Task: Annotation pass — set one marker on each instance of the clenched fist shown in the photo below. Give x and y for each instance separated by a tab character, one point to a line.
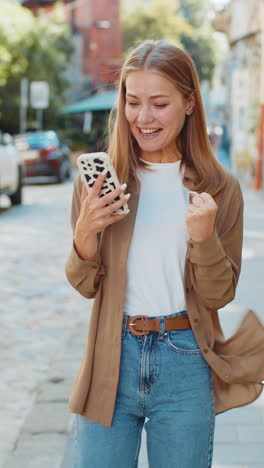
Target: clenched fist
200	216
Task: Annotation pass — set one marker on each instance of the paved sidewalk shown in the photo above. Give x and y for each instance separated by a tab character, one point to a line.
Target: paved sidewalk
44	435
239	436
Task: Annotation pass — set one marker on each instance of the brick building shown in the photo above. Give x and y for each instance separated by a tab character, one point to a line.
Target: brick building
97	37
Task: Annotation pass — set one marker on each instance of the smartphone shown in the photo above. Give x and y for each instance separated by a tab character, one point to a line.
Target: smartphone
90	166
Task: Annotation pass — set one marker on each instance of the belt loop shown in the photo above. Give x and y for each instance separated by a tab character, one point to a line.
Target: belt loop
162	328
125	318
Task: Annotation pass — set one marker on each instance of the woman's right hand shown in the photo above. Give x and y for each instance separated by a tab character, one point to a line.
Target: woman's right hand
95	216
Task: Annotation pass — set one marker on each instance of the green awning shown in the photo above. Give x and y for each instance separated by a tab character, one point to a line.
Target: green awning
97	102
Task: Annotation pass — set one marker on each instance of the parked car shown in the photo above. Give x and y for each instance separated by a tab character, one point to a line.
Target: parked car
11	169
44	155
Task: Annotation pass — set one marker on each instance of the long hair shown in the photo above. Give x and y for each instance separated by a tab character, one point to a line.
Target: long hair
193	141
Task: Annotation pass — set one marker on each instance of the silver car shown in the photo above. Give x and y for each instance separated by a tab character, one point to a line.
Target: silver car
11	169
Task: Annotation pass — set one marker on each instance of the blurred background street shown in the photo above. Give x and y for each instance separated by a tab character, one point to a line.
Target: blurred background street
58	70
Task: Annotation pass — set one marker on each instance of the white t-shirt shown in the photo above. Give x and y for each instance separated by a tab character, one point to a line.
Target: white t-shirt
156	257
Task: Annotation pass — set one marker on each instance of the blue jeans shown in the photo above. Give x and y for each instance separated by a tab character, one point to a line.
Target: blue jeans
165	385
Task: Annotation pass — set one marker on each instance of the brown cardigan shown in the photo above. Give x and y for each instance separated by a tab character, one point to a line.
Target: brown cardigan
211	274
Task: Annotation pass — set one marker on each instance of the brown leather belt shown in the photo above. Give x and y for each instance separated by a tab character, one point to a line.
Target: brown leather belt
142	324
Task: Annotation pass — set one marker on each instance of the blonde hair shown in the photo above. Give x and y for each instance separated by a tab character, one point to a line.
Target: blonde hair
193	142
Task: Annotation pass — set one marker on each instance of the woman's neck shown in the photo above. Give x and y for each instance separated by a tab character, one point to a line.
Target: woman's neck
161	156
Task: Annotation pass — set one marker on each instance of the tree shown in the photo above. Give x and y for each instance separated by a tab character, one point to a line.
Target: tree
201	44
157	21
194	12
183	23
202	49
37	48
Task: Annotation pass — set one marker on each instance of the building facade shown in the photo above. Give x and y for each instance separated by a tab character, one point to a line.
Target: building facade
97	37
241	22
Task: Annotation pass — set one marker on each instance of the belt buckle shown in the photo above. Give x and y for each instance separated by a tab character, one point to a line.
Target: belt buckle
131	325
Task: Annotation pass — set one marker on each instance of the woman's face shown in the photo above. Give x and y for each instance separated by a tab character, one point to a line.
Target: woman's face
155	110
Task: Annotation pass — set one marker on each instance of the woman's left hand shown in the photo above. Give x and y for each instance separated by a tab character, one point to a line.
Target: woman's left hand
200	216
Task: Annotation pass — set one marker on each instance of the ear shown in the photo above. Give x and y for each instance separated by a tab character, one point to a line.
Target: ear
190	104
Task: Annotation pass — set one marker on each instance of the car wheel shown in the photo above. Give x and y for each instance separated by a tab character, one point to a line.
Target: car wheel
16	198
62	172
69	172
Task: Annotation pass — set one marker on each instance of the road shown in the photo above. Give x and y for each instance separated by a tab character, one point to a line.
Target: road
40	312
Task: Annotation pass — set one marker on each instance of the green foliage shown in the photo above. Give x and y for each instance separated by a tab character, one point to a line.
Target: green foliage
194	11
75	136
37	48
202	49
200	44
155	22
70	128
183	23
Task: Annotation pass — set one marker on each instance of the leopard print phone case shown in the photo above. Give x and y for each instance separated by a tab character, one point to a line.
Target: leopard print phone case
91	165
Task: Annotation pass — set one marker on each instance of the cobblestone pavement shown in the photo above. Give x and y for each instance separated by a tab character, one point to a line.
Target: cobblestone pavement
44	325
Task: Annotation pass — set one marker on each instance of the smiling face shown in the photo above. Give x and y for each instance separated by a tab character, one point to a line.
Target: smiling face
155	111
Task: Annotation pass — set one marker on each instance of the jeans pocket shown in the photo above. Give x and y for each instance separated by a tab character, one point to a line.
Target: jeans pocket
182	342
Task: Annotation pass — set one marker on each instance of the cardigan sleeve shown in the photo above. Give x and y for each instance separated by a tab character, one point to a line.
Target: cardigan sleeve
83	275
216	262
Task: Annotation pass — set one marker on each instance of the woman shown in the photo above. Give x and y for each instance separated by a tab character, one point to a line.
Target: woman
170	262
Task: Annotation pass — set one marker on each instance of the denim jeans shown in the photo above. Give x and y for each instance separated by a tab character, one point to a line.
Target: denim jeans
165	385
